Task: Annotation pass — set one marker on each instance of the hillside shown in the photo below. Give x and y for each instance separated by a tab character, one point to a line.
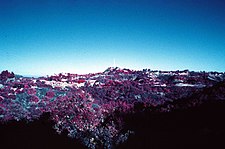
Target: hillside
115	107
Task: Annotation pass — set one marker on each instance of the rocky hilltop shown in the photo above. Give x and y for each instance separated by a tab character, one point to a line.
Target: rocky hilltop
97	108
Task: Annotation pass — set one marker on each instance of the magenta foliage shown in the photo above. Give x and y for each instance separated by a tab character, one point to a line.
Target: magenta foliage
90	106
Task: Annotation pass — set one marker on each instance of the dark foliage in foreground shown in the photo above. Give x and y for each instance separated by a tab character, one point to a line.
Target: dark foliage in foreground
34	135
199	127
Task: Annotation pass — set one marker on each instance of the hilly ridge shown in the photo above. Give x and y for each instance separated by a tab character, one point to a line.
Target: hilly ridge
110	108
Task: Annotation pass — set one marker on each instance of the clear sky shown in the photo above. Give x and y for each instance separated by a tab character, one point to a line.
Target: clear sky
50	36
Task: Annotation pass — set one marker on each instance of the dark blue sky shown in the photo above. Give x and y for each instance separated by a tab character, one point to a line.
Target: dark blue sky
46	37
